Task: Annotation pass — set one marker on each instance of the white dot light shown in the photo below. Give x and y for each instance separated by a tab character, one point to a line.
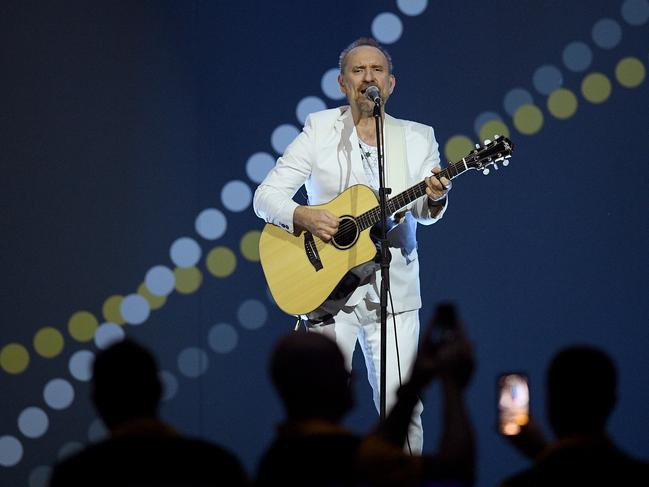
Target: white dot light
282	136
185	252
169	385
514	99
107	334
252	314
236	196
11	451
387	28
58	394
192	362
33	422
308	105
222	338
412	7
607	33
135	309
160	280
259	165
329	84
211	224
635	12
81	365
577	56
547	79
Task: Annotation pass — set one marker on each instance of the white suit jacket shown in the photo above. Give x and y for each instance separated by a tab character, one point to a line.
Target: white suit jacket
325	157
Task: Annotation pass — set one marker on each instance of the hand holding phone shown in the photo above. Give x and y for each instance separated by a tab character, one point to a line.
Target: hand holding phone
444	350
513	403
444	325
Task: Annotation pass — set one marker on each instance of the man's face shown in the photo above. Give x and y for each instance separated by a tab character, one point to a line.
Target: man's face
365	66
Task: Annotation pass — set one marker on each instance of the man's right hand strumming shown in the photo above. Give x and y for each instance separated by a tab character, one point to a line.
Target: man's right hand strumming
321	223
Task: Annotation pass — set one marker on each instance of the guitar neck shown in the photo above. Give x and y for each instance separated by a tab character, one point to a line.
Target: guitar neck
373	216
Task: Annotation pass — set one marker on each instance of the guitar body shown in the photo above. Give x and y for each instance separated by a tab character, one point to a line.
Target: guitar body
300	284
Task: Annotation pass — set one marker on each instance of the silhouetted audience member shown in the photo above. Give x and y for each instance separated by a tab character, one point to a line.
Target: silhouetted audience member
141	450
581	394
312	448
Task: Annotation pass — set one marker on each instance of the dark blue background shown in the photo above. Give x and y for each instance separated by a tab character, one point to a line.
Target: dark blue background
121	121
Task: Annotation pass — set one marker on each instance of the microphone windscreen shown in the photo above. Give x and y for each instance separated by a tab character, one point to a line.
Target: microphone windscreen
372	92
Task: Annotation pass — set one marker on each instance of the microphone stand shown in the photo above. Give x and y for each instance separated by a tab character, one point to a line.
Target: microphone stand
385	252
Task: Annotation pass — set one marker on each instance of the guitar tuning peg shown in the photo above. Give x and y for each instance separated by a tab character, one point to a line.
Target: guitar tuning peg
495	166
487	142
496	136
477	146
485	171
505	162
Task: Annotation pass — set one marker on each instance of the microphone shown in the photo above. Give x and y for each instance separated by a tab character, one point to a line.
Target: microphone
372	92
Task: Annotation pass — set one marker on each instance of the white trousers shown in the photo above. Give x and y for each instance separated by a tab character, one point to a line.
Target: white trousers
363	323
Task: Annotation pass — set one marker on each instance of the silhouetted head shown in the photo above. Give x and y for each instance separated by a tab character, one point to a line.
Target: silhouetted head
581	391
125	383
308	371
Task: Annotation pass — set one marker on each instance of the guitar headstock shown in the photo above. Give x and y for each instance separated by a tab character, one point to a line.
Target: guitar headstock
489	154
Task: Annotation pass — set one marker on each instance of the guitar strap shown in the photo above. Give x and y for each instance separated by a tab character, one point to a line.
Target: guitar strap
396	157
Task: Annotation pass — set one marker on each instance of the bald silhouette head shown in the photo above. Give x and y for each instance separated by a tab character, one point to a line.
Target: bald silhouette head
581	391
309	373
125	383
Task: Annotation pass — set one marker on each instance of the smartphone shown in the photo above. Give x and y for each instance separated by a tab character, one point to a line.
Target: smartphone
444	323
513	403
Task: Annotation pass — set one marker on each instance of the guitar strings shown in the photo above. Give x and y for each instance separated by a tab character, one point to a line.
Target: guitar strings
358	224
355	225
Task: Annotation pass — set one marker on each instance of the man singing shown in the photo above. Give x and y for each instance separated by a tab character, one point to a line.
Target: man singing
337	149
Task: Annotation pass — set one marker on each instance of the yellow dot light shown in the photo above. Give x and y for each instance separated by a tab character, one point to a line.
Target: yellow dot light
528	119
630	72
562	103
82	326
491	128
48	342
596	88
250	245
14	358
457	147
188	279
111	311
221	261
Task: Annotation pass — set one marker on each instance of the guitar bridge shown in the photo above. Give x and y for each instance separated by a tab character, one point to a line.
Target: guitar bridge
312	251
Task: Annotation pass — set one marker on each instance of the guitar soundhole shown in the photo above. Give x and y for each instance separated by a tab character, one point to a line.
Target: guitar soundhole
347	233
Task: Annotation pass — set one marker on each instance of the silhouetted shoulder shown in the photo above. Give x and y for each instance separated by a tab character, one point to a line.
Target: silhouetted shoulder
320	460
168	461
595	465
340	460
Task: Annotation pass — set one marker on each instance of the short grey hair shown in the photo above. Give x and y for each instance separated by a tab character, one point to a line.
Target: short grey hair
364	41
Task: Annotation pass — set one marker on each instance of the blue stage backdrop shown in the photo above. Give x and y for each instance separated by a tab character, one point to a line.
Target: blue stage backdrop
135	133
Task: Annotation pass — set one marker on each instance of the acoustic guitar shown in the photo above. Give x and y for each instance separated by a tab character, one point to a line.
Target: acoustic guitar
302	270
